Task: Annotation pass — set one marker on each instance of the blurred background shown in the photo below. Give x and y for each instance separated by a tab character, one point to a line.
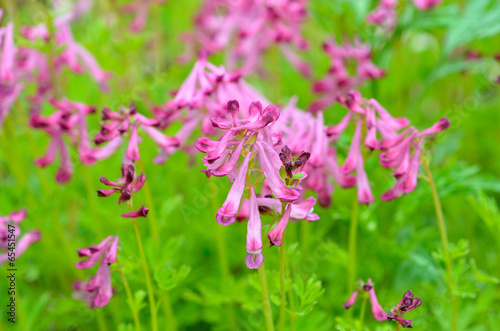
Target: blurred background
430	73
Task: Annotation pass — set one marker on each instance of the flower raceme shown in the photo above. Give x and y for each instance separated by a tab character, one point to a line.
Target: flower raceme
69	119
338	79
126	185
407	304
9	235
399	143
98	291
377	310
128	120
247	29
278	174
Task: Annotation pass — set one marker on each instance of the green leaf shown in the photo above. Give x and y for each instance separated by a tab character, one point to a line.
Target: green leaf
139	299
167	278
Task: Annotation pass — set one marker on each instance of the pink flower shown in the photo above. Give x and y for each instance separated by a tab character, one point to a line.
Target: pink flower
377	310
126	185
226	214
351	301
10	234
254	258
426	4
276	234
141	212
98	291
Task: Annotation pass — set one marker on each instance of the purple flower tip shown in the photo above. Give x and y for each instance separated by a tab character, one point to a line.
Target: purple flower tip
254	261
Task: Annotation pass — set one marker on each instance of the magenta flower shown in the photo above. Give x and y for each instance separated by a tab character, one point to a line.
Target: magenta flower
254	258
426	4
338	80
276	234
407	304
8	233
98	291
377	310
249	29
226	214
126	185
128	120
141	212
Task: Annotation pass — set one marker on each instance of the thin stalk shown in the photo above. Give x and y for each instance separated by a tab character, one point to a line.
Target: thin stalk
353	233
282	286
362	313
265	299
153	225
222	256
130	298
293	327
145	268
444	242
169	313
101	323
397	327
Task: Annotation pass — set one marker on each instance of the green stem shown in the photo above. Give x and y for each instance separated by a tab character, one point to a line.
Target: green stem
222	256
169	313
101	323
130	298
353	233
397	327
282	286
362	313
290	296
145	268
444	241
265	299
153	225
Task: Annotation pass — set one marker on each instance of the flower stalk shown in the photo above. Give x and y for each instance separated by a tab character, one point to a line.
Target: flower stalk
444	242
145	268
265	299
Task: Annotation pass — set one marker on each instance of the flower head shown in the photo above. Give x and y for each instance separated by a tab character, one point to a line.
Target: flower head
377	310
126	185
98	291
407	304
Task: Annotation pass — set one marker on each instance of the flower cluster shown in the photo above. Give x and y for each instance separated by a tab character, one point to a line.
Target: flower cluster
9	233
253	139
338	79
128	120
98	291
384	15
126	185
377	310
69	119
407	304
248	28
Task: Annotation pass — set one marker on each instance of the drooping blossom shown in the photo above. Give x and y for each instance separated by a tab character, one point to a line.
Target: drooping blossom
377	310
76	57
246	29
98	291
127	121
141	10
399	144
254	257
384	15
10	234
125	186
253	139
407	304
338	79
68	120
